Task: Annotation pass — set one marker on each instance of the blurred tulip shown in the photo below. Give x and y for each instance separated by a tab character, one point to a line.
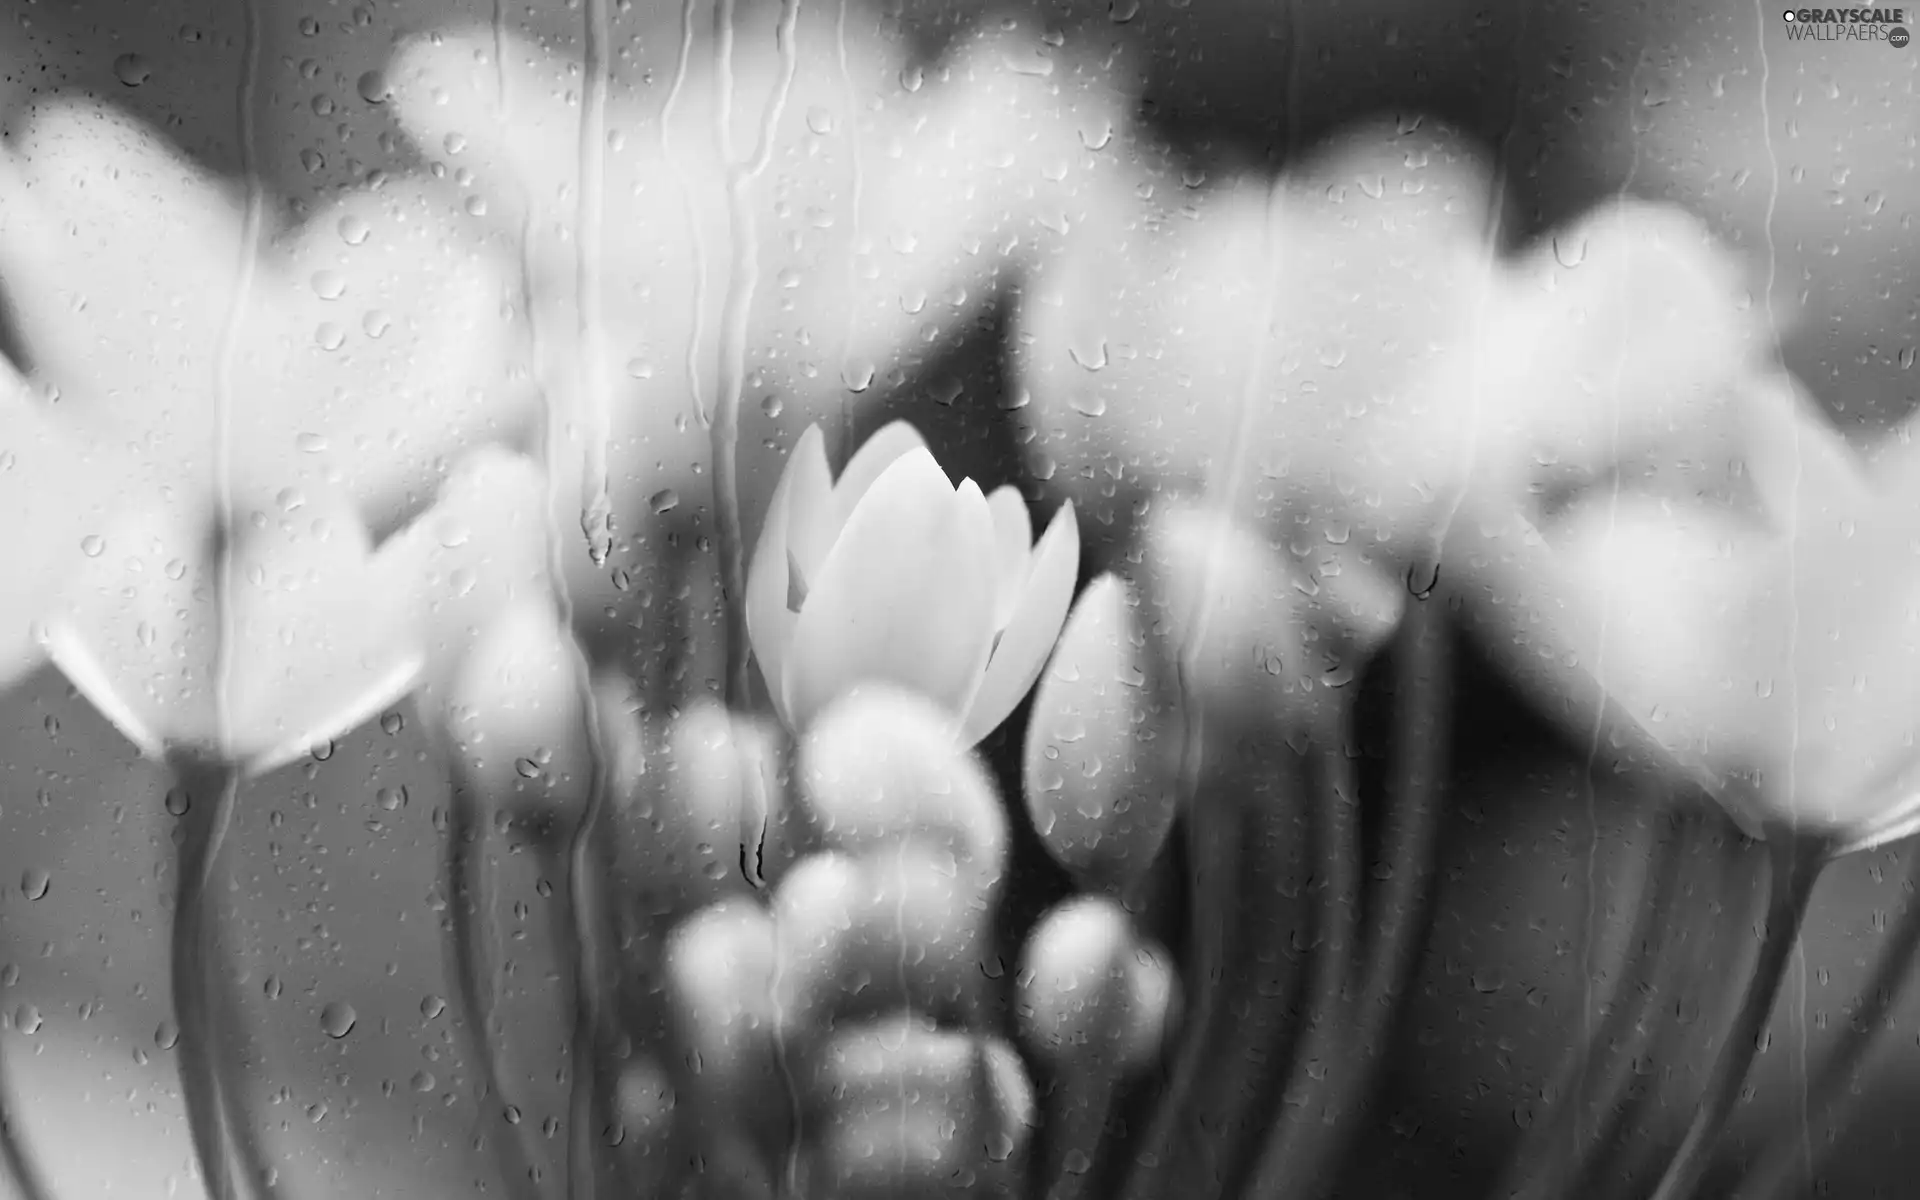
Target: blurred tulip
721	970
814	212
345	362
1100	772
1096	1006
861	936
1759	645
701	817
878	770
891	574
907	1109
217	372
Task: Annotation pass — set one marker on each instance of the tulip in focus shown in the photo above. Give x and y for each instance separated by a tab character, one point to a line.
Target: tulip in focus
894	575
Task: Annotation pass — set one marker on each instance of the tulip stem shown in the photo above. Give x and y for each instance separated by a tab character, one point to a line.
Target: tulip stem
207	1018
1795	862
1831	1093
1402	913
1211	828
1538	1173
1083	1098
466	841
16	1164
585	881
1293	1163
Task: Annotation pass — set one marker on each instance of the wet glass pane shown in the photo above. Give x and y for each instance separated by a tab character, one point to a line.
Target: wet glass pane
1098	601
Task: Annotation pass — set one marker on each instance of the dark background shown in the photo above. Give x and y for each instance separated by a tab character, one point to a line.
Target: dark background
337	892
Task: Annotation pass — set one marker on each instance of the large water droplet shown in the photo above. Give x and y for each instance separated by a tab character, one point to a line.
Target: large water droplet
1569	250
338	1019
374	88
167	1035
131	70
35	882
664	501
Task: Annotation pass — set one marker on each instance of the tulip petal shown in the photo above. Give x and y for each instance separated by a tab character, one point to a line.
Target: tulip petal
136	630
905	596
813	515
1013	557
888	445
1099	771
1029	638
318	642
770	625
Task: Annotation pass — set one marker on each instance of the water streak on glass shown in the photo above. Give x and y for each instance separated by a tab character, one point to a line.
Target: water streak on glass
697	302
468	832
738	307
197	978
596	514
859	182
1590	936
582	879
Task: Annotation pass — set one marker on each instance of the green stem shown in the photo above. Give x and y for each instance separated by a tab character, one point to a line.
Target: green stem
1401	913
1796	861
208	1019
1539	1172
1831	1093
466	840
1293	1162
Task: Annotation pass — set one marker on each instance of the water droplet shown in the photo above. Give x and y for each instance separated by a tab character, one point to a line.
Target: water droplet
373	87
423	1081
329	336
131	70
338	1019
1092	357
392	723
375	322
391	799
1087	403
92	545
354	229
166	1035
1906	358
527	768
773	406
1422	580
431	1006
34	882
322	106
1122	11
1569	251
639	368
272	988
820	120
664	501
857	375
27	1019
312	161
179	801
329	284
